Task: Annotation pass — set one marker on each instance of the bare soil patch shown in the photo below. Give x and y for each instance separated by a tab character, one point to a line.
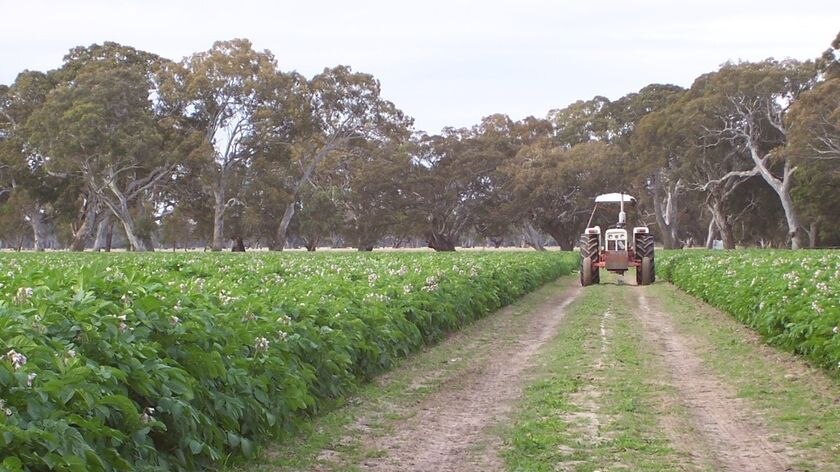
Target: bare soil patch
451	429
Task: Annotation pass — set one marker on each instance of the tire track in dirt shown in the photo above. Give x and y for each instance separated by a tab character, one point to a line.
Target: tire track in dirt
723	429
450	430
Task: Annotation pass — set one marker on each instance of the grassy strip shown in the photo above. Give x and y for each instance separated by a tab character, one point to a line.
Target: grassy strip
584	379
798	401
334	440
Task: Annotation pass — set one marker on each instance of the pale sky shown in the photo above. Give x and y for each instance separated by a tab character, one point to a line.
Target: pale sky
444	62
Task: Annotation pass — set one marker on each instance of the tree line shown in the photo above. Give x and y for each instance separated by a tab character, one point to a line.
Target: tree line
121	147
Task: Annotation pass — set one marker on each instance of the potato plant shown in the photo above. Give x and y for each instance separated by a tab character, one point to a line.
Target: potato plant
792	298
175	361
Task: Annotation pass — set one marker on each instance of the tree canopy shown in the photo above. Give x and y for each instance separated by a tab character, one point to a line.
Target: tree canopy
225	149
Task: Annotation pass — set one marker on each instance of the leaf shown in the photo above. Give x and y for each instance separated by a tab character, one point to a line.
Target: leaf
12	464
195	446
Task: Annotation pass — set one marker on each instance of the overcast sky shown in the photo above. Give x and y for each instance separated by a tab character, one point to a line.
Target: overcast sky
450	62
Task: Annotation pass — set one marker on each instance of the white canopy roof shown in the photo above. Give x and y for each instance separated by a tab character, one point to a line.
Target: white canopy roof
614	198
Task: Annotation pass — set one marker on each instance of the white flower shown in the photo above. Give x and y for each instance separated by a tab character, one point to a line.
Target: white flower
30	378
284	320
5	410
17	359
282	335
836	330
147	417
406	289
225	298
71	353
174	320
816	307
23	294
261	344
372	278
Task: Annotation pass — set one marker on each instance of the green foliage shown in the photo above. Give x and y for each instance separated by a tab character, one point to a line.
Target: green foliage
790	298
174	361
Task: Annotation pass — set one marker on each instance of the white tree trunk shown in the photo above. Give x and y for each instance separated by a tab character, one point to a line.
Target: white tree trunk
665	210
710	234
81	236
102	231
722	224
218	219
533	237
782	189
39	228
283	227
121	211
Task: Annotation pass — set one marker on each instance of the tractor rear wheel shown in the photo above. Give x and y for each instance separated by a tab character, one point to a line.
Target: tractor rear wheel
646	271
644	248
589	255
585	273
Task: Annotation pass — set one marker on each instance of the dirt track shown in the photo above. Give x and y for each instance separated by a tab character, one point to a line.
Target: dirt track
722	431
454	425
449	430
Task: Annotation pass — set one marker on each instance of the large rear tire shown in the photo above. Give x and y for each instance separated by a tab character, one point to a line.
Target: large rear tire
644	248
646	270
585	273
589	255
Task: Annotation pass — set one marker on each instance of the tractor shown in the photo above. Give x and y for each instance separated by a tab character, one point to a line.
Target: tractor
611	250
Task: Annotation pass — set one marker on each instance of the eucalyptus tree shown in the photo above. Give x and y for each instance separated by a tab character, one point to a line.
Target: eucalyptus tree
367	185
331	114
26	189
558	184
650	168
216	94
581	121
442	185
813	124
100	124
497	139
750	101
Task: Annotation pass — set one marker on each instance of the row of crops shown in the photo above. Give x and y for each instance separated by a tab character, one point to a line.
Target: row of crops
174	362
792	298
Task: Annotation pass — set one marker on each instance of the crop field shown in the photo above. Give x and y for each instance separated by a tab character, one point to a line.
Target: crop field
166	362
271	362
791	298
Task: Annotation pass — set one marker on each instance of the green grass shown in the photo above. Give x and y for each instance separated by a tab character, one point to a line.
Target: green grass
799	402
553	429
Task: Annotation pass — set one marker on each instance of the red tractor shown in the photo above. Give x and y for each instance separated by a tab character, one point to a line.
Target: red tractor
612	252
